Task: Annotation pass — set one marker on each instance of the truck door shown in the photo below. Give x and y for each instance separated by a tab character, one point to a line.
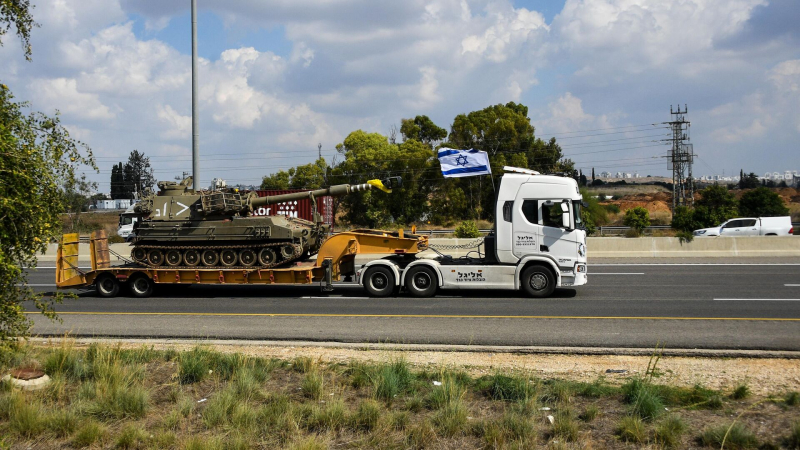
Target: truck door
732	228
555	240
749	228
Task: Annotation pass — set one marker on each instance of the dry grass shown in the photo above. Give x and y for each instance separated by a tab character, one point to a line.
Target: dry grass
109	397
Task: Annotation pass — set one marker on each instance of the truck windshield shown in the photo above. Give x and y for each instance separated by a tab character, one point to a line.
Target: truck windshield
576	211
125	220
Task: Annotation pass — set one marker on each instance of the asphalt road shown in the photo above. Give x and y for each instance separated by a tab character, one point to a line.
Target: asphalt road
713	305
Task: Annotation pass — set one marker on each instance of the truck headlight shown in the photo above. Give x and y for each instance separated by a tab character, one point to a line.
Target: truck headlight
699	232
582	249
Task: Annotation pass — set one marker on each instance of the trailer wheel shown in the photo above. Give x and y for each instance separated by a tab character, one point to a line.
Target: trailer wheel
379	281
141	286
107	286
421	281
538	281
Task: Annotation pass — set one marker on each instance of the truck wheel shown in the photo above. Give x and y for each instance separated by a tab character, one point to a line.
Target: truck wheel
379	281
141	286
107	286
538	281
421	281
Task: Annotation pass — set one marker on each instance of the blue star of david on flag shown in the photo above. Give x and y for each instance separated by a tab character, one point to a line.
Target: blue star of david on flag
463	163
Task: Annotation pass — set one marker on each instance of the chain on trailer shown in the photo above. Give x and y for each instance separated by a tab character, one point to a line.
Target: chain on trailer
472	244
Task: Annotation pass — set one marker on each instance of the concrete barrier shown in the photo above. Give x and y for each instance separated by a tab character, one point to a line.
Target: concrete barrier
662	247
598	247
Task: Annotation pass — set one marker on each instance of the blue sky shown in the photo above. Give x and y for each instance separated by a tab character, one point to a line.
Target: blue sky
279	77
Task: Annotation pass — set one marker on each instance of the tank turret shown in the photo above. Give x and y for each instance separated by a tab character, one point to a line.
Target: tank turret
186	228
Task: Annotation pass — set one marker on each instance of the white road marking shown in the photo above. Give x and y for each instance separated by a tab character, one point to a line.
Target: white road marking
758	299
340	298
792	285
36	285
619	273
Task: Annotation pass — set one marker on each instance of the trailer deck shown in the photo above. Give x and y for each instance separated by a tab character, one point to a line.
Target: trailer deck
335	259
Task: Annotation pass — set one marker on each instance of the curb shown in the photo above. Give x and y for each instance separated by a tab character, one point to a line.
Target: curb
526	350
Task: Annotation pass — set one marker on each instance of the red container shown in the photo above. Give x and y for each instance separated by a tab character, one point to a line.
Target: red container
295	208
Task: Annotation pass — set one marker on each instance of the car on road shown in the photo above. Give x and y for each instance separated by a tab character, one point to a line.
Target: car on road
750	226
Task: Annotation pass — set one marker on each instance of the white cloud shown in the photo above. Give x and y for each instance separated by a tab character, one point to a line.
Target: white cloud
177	126
63	94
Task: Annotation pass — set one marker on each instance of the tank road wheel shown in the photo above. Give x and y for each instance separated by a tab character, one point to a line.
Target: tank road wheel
538	281
247	257
267	256
155	257
209	257
141	286
379	281
287	252
228	257
139	255
191	257
173	257
421	281
107	285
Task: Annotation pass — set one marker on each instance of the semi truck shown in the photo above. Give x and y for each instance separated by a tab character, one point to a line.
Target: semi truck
538	244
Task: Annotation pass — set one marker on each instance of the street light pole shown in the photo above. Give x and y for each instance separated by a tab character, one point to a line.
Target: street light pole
195	128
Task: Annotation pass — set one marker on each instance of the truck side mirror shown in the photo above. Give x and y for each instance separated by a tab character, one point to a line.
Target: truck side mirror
565	215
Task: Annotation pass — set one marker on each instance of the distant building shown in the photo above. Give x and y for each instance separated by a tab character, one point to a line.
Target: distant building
120	203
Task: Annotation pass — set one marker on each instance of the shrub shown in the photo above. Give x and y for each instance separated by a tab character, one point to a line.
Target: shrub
590	413
612	208
467	229
792	399
508	388
668	432
564	426
312	385
62	423
391	380
25	418
644	399
741	391
793	439
637	218
631	429
367	415
193	366
734	436
451	419
88	434
762	202
447	394
131	437
420	436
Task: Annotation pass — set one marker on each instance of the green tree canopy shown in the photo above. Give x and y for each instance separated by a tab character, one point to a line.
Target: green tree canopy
137	175
371	156
18	14
637	218
762	202
422	129
307	176
38	163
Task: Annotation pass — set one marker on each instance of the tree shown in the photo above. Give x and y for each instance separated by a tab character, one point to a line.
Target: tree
308	176
38	160
77	198
593	178
762	202
17	13
137	174
117	182
422	129
637	218
749	181
370	156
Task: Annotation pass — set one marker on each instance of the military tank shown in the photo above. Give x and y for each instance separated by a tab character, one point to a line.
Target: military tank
184	228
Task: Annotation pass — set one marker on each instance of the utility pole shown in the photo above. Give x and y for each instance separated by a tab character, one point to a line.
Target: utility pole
319	151
680	158
195	127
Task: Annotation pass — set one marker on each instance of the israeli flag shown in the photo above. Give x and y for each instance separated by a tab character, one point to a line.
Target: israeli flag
464	163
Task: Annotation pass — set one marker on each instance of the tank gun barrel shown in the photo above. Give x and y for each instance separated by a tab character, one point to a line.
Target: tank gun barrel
385	185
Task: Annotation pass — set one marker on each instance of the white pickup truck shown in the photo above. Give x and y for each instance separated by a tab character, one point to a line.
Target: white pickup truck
748	226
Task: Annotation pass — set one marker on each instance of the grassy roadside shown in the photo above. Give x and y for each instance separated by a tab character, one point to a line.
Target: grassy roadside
106	396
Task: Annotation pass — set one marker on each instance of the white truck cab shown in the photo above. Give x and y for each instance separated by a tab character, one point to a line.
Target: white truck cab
538	244
126	221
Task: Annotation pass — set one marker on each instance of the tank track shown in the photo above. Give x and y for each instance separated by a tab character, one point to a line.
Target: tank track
298	252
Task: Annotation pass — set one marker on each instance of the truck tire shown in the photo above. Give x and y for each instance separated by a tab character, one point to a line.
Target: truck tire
141	286
421	281
379	281
107	285
538	281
